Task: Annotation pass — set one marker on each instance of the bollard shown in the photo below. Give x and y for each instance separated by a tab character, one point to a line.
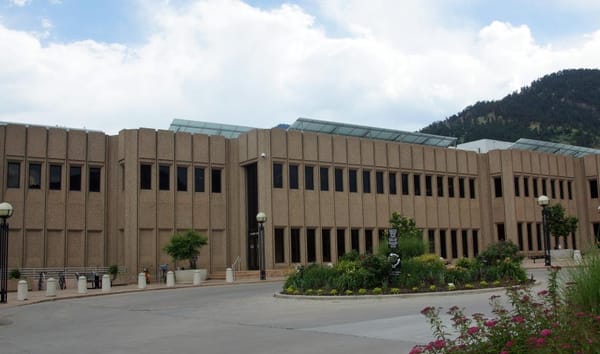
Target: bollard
82	285
170	279
577	256
51	287
22	290
229	275
142	280
105	283
197	279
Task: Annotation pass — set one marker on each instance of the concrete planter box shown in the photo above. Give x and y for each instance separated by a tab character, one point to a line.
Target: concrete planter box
187	276
561	254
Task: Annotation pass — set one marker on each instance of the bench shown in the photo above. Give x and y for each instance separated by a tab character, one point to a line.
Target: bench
533	255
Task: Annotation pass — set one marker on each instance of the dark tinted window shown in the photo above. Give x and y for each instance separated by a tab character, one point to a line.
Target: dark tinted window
309	178
404	178
352	183
13	177
369	241
55	177
526	186
451	187
75	178
324	178
440	186
145	176
428	186
199	179
498	187
277	175
535	187
279	246
216	180
593	189
392	178
472	188
182	178
94	185
354	238
35	176
461	187
339	180
366	181
326	244
164	177
293	170
379	182
417	184
311	248
295	244
341	242
517	189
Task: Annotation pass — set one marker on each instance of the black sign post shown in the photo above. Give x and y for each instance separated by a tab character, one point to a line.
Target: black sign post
393	257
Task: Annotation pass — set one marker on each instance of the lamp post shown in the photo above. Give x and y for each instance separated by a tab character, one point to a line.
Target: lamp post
261	218
543	202
597	239
6	210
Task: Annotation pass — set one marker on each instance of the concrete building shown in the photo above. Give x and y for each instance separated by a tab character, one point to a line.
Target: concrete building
85	199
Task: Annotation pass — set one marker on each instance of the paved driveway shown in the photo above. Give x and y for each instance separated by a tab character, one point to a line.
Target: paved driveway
223	319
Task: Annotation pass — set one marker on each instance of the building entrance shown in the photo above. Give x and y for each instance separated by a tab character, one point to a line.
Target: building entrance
252	210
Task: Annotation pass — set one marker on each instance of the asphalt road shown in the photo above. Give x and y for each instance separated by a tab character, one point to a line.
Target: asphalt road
224	319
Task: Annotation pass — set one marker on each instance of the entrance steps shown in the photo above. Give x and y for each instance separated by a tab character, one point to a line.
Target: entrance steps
249	274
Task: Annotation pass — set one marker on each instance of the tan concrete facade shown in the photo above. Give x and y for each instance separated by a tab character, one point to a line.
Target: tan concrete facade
138	188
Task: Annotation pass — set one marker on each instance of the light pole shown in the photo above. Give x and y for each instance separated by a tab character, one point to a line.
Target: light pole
543	202
261	218
6	210
597	239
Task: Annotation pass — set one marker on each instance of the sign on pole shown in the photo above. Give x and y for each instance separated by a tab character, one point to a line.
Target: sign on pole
392	238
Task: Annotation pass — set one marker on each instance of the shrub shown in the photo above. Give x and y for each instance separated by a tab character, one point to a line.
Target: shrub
469	286
483	284
320	292
290	290
583	284
349	275
425	269
313	276
348	292
362	291
395	291
333	292
186	246
377	291
498	252
14	274
451	286
377	270
309	292
432	287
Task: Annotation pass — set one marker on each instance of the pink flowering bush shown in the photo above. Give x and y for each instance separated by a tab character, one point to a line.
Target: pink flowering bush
533	323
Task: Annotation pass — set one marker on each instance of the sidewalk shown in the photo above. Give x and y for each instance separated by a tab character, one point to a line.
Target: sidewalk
34	296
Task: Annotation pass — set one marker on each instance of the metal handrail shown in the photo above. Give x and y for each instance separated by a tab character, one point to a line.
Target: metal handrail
237	262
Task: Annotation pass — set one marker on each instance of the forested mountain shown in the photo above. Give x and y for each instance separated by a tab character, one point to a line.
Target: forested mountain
563	107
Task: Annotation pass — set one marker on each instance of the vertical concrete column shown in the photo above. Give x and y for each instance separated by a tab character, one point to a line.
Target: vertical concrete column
142	280
105	283
229	275
51	287
82	285
197	278
22	290
170	279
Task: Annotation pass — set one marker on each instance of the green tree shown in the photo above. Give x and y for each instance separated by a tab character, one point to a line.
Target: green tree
559	224
186	245
410	238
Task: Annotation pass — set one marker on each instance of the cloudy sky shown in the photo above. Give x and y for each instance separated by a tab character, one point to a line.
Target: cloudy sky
113	64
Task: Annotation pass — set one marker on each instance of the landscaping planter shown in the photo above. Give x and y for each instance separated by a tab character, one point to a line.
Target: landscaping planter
187	276
561	254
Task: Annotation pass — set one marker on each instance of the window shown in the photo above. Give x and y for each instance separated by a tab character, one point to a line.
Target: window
461	187
454	243
520	235
199	179
311	248
404	178
341	242
13	177
526	186
215	180
324	178
428	186
326	244
501	233
309	178
75	178
339	180
443	252
145	176
440	186
279	246
379	182
450	187
431	240
529	237
498	186
369	241
544	188
354	239
472	188
163	177
417	184
538	236
94	179
182	178
535	188
465	244
55	177
517	193
593	189
277	175
293	170
35	175
561	189
295	243
392	180
569	190
475	243
352	183
366	181
553	188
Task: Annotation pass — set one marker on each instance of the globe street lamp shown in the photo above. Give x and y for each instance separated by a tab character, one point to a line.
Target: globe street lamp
543	202
6	210
261	218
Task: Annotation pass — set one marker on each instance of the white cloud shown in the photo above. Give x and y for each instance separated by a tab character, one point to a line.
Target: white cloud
20	3
400	66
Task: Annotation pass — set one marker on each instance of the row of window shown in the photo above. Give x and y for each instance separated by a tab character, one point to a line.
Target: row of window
55	176
295	243
525	231
326	238
523	187
164	178
405	181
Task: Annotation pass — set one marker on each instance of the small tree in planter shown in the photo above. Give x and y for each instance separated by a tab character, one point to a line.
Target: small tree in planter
186	245
559	224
